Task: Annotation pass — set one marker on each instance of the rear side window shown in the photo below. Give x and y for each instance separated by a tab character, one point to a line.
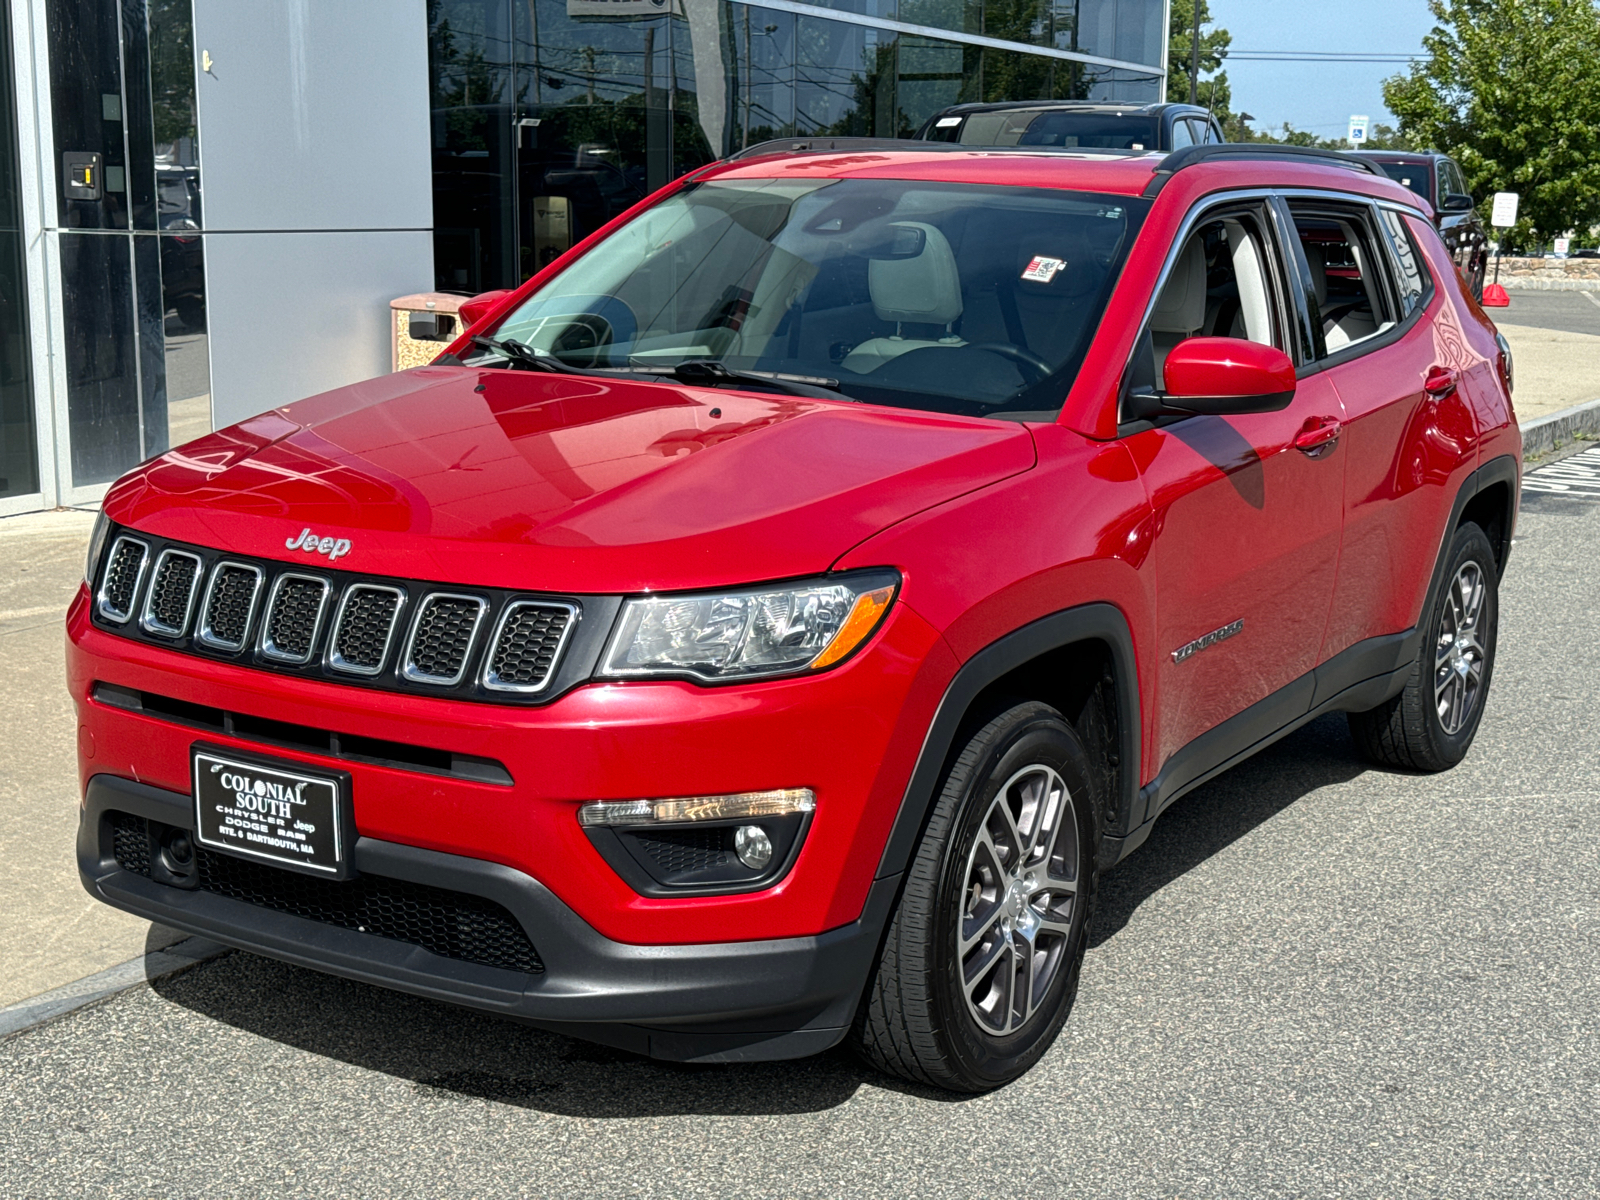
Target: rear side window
1210	136
1351	279
1413	282
1181	135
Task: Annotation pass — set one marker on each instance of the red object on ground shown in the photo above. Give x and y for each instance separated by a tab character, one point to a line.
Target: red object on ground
1494	296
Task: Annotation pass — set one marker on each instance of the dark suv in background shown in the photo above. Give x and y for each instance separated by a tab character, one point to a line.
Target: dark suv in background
1064	124
1438	180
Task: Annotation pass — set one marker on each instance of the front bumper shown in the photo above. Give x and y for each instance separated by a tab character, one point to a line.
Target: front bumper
727	1001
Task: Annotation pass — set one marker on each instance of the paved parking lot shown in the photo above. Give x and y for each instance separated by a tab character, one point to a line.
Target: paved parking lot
1315	980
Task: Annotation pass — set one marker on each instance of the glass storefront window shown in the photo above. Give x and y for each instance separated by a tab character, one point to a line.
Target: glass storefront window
19	460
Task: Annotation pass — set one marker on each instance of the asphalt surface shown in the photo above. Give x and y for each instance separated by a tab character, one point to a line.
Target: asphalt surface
1315	980
1568	312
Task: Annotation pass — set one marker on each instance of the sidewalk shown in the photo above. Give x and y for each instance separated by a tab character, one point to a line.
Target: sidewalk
1554	369
52	932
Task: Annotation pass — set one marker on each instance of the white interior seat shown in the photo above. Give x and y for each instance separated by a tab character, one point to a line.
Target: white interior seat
1181	310
925	290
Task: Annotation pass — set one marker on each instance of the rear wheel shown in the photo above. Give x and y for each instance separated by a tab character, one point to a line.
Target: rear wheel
1430	725
980	965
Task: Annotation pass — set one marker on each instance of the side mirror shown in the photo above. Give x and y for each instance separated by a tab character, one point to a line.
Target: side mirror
1456	202
1227	376
479	307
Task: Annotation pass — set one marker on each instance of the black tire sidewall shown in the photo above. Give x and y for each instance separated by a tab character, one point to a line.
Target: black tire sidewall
1470	544
1039	737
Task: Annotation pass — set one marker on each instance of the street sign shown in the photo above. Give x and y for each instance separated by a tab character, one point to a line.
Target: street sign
1563	245
1358	130
1504	215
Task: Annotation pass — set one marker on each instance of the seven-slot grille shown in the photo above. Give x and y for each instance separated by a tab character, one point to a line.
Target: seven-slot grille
442	637
172	591
364	628
229	605
334	624
124	573
527	645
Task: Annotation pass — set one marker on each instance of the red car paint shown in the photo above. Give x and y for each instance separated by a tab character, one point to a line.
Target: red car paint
490	478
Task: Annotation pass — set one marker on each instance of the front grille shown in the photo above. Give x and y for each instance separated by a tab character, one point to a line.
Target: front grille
348	627
293	616
172	592
364	628
527	645
451	924
130	842
442	638
124	571
678	851
230	603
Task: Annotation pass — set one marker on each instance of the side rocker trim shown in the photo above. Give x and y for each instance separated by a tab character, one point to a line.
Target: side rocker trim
1090	622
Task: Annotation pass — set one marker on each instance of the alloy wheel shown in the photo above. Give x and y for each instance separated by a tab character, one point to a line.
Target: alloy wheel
1459	654
1021	888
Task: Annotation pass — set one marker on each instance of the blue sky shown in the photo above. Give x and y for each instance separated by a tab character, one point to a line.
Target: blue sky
1317	96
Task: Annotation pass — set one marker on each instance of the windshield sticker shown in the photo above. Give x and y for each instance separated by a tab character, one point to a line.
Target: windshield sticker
1042	270
946	122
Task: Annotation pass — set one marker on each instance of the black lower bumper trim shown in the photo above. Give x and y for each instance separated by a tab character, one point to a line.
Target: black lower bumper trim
780	998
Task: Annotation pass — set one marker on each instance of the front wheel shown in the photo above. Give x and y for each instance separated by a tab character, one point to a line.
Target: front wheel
1430	725
980	965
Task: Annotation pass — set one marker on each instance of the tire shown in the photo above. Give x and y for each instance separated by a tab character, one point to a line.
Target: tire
917	1020
1430	725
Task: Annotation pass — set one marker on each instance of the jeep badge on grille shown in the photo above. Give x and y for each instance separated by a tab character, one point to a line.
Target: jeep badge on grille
334	548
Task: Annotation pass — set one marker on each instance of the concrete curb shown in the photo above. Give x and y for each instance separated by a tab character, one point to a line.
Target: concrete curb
1543	434
26	1014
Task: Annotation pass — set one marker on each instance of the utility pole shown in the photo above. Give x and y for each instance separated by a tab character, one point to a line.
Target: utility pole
1194	57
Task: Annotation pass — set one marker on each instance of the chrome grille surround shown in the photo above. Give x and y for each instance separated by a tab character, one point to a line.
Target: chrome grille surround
498	674
422	626
117	608
208	634
272	638
157	615
342	654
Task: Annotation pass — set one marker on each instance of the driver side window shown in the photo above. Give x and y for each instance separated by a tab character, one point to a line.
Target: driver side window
1220	285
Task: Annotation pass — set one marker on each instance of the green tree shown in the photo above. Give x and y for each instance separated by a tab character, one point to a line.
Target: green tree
1509	88
1214	92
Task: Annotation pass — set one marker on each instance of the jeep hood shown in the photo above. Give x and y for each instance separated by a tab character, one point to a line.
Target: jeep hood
545	482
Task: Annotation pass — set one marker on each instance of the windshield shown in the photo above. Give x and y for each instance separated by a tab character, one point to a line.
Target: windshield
1042	127
1412	175
946	297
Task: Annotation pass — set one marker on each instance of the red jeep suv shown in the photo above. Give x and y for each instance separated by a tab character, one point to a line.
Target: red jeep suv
763	627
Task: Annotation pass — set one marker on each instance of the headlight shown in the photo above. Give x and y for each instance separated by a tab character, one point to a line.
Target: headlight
97	544
750	633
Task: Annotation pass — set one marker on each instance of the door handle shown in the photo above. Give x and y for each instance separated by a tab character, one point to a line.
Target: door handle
1317	436
1439	382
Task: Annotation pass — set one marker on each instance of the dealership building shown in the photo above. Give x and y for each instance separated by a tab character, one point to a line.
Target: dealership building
207	206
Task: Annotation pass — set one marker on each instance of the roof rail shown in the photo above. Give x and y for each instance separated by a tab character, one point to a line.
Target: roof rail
804	145
1245	151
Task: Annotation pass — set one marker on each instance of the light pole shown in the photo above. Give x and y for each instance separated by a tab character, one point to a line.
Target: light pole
1194	58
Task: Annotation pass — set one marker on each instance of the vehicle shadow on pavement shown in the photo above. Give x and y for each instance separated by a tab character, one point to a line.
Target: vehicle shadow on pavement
452	1055
1214	816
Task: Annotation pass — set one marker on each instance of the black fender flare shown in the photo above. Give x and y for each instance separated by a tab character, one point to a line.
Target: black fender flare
1506	469
1088	622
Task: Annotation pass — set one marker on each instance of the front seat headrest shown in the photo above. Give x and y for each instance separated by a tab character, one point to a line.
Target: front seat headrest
925	289
1182	306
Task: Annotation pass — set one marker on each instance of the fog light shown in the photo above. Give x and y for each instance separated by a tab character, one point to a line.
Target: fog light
753	846
781	802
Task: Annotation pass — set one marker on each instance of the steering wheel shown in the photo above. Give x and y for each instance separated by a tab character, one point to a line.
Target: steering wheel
1023	358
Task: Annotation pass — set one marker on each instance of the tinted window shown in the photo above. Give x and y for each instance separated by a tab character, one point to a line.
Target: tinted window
1181	135
1209	134
1451	179
1035	127
1413	279
1412	175
954	298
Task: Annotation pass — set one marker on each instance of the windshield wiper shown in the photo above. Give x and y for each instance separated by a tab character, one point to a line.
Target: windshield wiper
523	355
708	372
